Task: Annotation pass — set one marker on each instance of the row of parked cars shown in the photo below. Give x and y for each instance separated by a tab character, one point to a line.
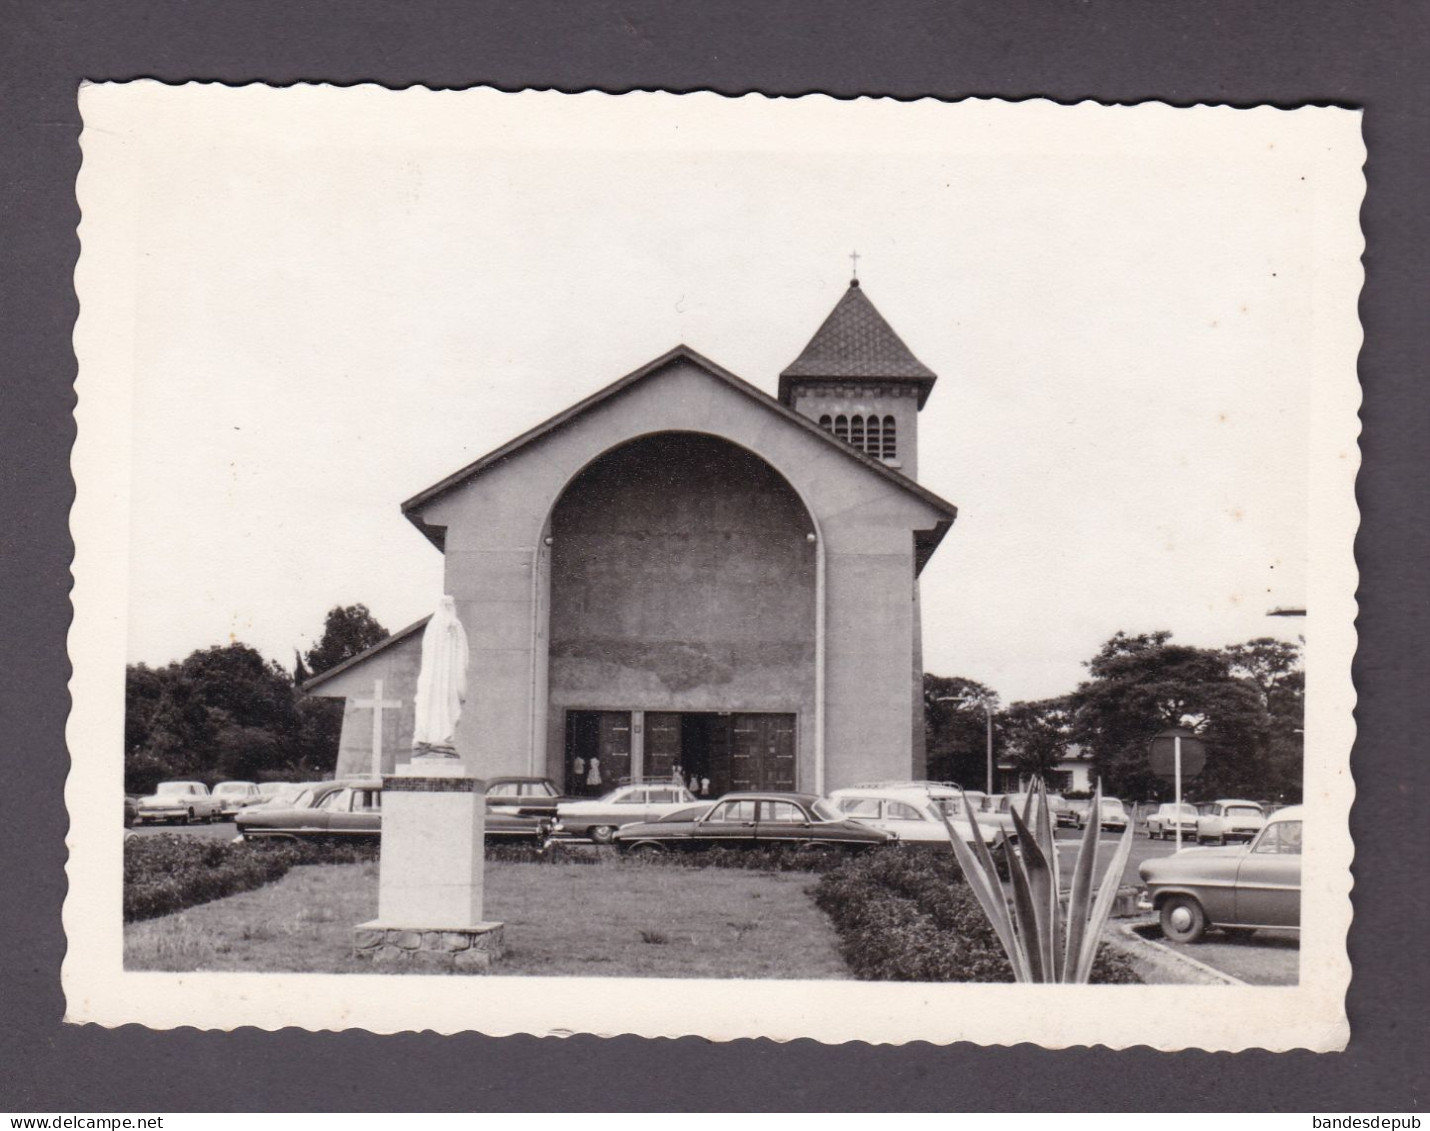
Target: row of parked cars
191	802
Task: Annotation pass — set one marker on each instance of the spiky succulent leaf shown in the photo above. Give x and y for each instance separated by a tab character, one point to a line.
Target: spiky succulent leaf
1080	897
1102	907
1034	866
981	873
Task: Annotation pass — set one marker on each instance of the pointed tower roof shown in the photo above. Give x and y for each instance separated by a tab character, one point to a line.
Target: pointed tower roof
855	343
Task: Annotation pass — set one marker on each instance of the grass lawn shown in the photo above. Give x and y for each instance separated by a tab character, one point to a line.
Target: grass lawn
612	919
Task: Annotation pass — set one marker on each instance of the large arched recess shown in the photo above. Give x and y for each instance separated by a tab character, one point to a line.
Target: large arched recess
682	597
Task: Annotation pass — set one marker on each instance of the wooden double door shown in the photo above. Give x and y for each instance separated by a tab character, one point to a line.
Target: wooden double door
732	750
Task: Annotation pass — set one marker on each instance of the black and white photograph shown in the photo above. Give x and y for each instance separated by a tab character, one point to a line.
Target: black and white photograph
677	564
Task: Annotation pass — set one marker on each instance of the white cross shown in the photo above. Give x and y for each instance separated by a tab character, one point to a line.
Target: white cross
854	258
376	705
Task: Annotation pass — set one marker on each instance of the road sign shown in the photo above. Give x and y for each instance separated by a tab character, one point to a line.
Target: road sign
1162	753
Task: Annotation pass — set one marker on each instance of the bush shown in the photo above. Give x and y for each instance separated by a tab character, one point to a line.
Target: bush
168	872
909	917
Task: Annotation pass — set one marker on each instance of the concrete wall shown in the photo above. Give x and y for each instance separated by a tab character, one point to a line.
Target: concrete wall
497	569
397	666
682	579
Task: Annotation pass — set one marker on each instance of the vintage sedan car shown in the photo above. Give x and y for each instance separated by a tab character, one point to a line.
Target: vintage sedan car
352	810
599	818
749	820
236	795
1221	821
1162	822
527	796
1237	888
999	809
181	801
1112	818
911	813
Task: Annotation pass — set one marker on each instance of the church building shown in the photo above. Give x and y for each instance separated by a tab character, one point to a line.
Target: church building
681	570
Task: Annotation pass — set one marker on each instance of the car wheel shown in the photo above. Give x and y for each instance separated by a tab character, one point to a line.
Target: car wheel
189	820
1183	919
648	850
602	834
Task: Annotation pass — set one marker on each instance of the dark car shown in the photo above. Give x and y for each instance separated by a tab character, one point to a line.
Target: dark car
749	820
525	796
353	811
131	810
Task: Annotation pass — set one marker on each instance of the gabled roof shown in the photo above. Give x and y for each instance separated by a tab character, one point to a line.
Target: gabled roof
352	661
856	343
928	542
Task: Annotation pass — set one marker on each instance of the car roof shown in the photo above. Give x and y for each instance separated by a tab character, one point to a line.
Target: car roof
1235	801
894	793
768	795
1291	812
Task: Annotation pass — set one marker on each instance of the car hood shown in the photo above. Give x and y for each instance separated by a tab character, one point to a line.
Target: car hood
1188	862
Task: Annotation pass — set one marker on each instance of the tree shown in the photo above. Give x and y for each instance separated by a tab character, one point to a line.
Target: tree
1273	667
955	728
348	630
1036	736
1143	684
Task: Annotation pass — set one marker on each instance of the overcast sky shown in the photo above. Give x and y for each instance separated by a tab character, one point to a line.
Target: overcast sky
341	296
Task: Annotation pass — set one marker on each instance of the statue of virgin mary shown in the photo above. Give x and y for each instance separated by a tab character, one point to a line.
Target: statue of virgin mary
442	682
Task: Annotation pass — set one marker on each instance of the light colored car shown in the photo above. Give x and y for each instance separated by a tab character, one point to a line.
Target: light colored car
1237	888
1000	807
284	793
599	818
1162	822
913	813
235	795
181	801
1230	819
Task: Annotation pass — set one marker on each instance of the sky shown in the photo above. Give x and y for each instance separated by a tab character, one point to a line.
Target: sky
335	298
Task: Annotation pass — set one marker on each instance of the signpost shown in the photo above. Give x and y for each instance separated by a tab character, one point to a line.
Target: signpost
1171	754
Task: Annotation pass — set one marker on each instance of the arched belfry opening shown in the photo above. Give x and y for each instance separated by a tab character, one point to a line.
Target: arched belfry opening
682	620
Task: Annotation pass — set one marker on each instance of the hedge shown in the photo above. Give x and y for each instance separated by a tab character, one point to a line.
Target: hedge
909	917
170	871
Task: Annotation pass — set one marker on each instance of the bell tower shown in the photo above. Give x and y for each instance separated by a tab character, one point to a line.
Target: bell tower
857	380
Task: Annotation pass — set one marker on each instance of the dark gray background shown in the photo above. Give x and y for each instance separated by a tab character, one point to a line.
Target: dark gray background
1370	54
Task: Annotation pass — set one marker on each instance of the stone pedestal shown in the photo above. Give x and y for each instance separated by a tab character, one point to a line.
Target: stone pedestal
429	908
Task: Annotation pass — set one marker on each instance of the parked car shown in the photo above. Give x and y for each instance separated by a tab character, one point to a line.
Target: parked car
1236	888
352	810
599	818
1221	821
131	810
911	813
528	796
181	801
281	793
999	809
1112	818
747	820
235	795
1163	821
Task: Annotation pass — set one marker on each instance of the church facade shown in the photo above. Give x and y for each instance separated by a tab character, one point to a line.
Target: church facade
681	570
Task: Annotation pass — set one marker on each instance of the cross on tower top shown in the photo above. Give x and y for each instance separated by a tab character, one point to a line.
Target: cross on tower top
854	258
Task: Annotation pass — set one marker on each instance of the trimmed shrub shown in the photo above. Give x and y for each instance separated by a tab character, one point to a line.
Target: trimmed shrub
909	917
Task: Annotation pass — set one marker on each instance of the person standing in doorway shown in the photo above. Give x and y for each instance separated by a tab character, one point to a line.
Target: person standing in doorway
593	776
578	774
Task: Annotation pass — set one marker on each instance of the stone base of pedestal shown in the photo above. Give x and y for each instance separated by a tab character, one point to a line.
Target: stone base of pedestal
467	950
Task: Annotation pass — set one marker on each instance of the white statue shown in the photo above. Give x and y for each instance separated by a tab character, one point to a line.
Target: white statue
442	682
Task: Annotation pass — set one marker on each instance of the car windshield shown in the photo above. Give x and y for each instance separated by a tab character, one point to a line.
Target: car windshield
1243	810
231	787
1185	810
1112	805
175	788
825	812
303	800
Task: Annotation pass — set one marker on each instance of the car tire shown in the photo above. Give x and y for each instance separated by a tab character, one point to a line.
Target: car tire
601	834
189	820
1183	919
647	850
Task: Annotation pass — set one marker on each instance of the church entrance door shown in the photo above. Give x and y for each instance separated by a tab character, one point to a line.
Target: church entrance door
732	750
604	736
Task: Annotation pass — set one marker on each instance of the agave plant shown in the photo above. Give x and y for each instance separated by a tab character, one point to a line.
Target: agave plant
1043	942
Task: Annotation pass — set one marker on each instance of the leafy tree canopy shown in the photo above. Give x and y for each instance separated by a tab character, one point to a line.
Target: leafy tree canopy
348	630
